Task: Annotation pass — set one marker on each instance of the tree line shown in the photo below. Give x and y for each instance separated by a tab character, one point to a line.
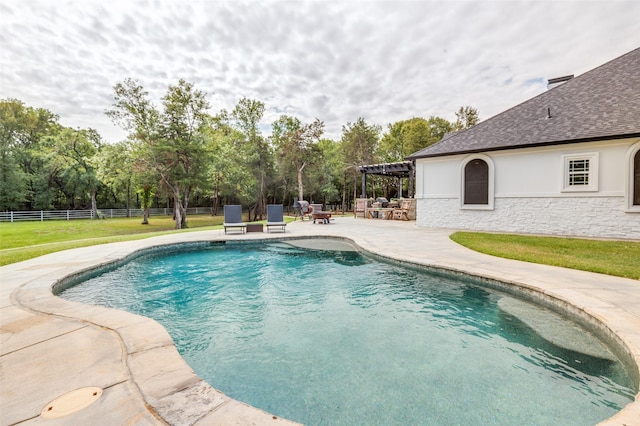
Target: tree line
180	154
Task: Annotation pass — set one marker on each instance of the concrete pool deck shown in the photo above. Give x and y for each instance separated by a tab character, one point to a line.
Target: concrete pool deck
51	346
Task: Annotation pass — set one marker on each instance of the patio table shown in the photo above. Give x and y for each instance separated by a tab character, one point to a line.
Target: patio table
323	217
381	213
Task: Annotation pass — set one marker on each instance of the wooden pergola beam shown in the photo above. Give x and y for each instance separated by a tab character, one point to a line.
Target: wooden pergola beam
400	170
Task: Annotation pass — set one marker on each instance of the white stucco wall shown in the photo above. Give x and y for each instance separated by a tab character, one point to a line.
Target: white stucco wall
529	197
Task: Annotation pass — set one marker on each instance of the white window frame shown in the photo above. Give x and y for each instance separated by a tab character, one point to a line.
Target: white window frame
631	153
592	173
491	192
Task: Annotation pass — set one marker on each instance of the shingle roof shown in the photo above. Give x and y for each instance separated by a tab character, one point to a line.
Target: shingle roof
603	103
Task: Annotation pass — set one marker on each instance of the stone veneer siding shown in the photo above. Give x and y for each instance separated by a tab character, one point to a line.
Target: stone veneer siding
602	217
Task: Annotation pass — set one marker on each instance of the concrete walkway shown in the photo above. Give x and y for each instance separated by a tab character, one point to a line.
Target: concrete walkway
51	346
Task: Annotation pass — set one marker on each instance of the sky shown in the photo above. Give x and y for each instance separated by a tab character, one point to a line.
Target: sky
335	60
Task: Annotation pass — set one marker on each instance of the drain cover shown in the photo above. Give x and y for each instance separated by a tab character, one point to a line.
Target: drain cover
71	402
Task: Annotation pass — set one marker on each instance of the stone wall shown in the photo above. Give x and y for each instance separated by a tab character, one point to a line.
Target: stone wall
573	216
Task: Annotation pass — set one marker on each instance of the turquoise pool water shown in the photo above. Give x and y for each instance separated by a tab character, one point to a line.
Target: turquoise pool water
335	337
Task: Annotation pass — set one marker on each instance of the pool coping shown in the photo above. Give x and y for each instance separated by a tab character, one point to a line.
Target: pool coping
160	388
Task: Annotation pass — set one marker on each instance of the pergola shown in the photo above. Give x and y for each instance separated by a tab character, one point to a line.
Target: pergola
400	170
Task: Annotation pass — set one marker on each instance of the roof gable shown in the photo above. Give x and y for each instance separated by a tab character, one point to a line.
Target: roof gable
603	103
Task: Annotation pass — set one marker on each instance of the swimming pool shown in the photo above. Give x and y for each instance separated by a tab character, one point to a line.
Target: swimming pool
324	336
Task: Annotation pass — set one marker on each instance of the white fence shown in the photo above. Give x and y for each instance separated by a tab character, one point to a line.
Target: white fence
42	215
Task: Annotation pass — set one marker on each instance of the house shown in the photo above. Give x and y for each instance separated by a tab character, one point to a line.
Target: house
566	162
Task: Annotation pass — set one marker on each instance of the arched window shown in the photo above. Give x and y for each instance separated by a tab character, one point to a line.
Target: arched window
636	179
476	182
632	184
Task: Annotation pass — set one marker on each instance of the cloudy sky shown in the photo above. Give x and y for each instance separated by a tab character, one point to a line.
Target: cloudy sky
335	60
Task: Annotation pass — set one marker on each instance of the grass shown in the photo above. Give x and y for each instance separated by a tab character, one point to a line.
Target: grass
21	234
619	258
25	240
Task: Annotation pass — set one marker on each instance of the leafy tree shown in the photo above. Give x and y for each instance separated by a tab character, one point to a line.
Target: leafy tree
185	117
76	150
181	151
133	111
359	144
114	168
146	201
331	171
233	178
229	174
294	142
258	157
466	117
169	143
12	178
24	155
44	163
404	138
439	127
334	173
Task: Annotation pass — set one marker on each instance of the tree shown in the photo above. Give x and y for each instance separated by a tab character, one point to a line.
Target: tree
169	143
331	170
185	117
12	178
76	150
231	176
146	200
181	151
247	115
25	152
439	127
359	143
295	141
114	168
408	136
466	117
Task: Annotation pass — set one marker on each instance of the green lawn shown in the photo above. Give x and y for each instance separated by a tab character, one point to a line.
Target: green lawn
25	240
20	234
619	258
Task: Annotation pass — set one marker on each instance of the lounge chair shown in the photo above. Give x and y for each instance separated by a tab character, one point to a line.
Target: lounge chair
233	218
275	217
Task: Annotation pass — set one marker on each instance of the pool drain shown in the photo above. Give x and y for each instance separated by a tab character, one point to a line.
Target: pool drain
71	402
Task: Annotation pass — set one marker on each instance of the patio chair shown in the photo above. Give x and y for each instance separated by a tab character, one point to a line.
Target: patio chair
233	218
275	217
360	207
403	212
315	208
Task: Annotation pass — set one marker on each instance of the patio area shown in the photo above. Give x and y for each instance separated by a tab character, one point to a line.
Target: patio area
51	346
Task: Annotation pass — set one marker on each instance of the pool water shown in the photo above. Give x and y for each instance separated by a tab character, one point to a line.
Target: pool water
336	337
